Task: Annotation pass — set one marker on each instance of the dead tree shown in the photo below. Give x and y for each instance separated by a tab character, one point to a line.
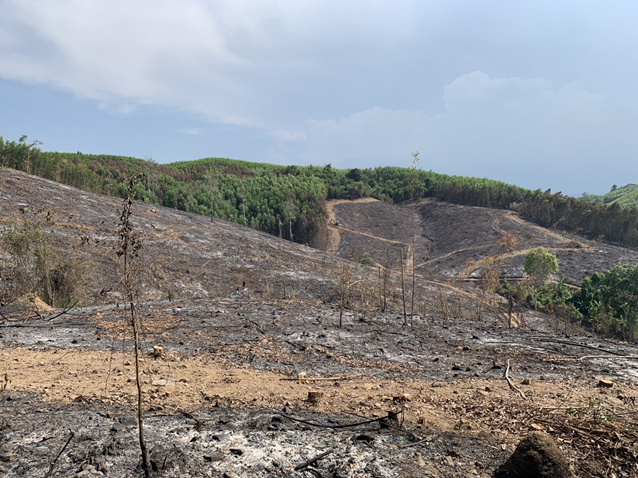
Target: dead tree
130	245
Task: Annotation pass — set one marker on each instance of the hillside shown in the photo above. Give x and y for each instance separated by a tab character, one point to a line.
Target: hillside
449	235
250	324
289	201
625	196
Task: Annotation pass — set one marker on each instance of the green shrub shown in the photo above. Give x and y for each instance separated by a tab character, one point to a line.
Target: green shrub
366	259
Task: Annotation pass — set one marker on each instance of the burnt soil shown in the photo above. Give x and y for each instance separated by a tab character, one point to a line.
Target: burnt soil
249	330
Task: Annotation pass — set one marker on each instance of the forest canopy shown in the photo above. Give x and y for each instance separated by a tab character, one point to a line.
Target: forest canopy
272	197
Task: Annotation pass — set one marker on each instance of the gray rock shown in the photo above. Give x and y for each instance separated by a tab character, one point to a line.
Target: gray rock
536	456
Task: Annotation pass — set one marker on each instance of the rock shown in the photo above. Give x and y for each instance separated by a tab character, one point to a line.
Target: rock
162	382
127	421
605	383
404	397
164	459
214	457
158	351
118	428
8	456
536	456
89	470
453	452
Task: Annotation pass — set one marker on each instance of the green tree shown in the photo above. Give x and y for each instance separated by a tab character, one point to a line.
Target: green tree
540	265
611	299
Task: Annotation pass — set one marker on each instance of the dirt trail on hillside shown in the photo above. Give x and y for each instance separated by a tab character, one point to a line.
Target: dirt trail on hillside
514	216
333	234
334	237
450	254
476	265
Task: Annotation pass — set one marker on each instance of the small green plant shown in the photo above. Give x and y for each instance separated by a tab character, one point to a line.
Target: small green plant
366	259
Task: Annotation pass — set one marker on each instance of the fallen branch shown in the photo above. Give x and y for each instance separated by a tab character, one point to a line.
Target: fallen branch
631	357
334	379
574	344
66	310
410	445
511	384
50	471
307	463
347	425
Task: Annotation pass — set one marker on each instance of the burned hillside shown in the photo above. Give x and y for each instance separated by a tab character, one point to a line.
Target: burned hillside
246	371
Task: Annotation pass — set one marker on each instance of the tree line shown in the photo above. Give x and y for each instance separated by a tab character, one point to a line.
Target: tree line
289	201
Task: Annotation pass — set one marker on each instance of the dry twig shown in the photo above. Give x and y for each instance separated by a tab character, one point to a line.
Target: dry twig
307	463
511	384
50	471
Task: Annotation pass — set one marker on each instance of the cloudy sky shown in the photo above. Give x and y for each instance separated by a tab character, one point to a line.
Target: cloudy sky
541	94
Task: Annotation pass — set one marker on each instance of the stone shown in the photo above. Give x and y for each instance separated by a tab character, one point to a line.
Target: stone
605	383
127	421
404	397
536	456
158	351
8	456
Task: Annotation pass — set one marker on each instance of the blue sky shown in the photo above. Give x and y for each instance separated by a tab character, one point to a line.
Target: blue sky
540	94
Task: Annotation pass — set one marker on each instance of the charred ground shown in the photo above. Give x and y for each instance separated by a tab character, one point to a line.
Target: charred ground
243	317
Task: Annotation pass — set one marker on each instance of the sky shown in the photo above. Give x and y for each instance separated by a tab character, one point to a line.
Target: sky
540	94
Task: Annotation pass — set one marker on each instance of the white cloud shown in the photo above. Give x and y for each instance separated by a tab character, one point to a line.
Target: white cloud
272	64
525	131
372	137
193	131
231	62
120	109
288	136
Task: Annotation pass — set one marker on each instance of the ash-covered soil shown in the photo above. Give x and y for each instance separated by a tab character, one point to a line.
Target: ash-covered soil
450	235
185	255
230	394
256	378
